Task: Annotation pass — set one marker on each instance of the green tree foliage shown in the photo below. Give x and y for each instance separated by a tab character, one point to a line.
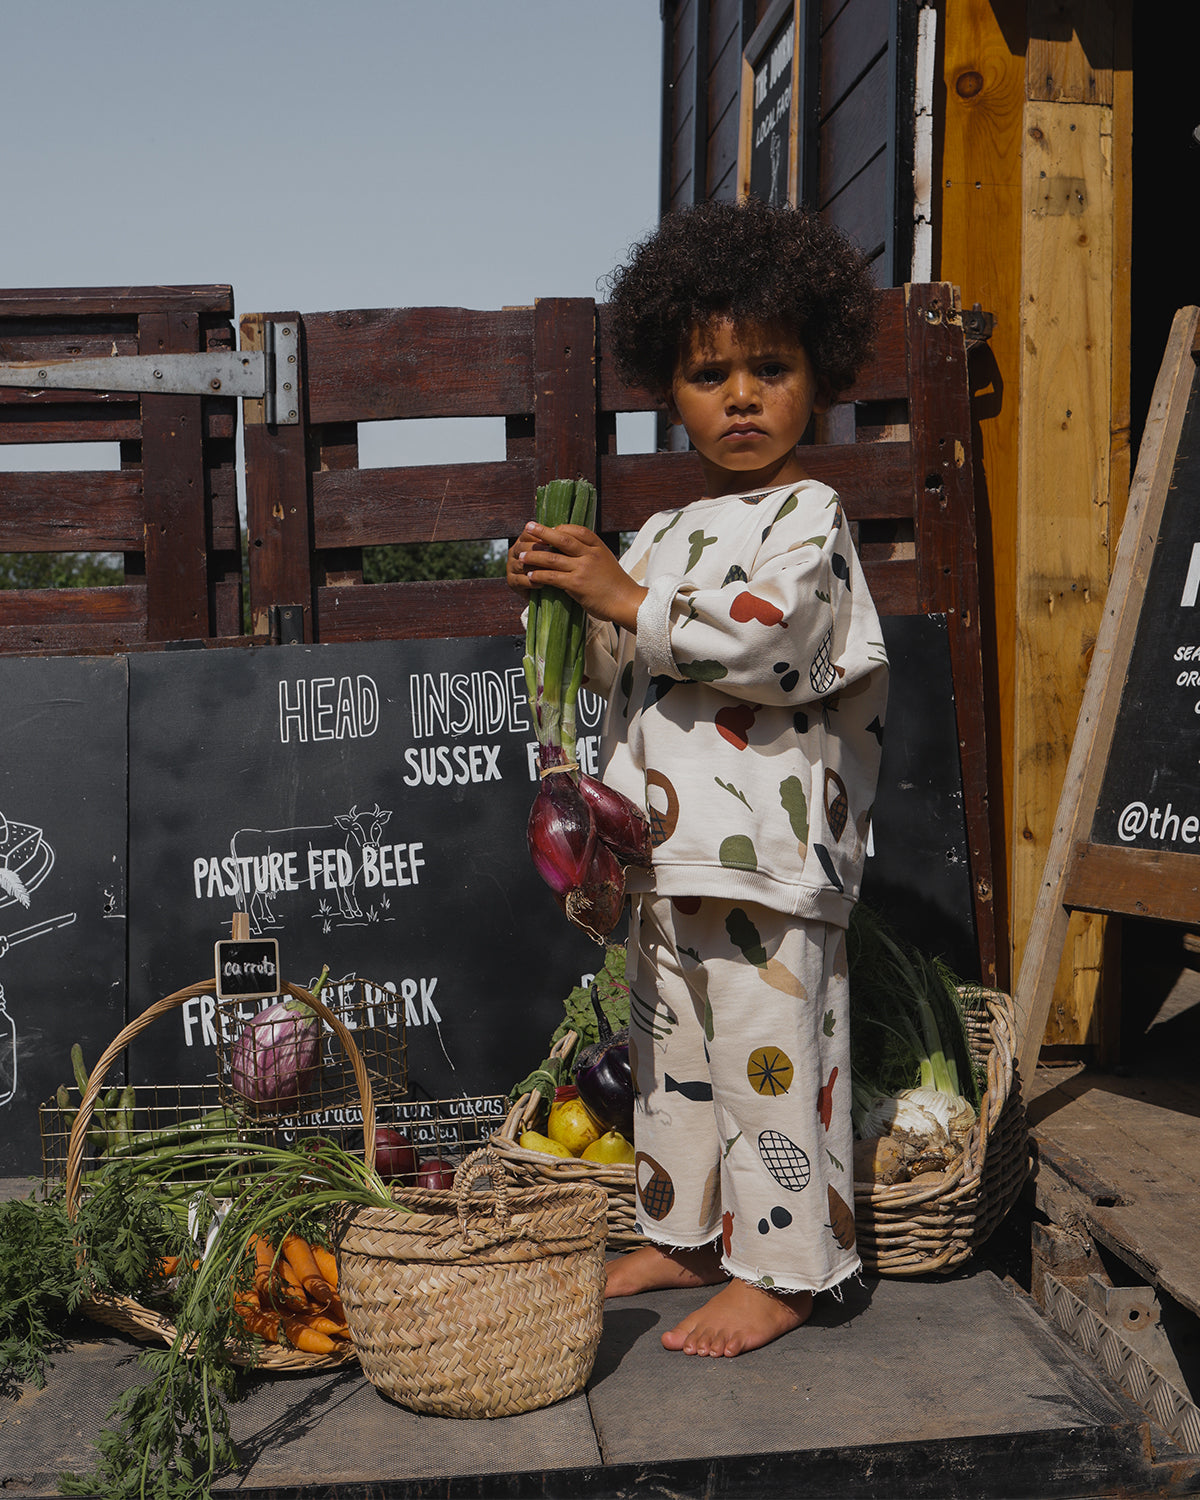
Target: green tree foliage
431	560
59	570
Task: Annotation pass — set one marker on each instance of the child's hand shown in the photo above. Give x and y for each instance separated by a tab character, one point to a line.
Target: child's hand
575	560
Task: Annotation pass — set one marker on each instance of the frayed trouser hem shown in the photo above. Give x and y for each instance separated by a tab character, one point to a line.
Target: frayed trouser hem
763	1281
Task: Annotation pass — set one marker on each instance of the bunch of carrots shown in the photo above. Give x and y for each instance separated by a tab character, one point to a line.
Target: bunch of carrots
294	1296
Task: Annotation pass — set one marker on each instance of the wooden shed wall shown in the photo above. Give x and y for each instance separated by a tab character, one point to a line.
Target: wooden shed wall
859	130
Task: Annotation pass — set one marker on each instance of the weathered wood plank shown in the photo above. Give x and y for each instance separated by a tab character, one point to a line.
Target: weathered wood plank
855	39
1138	882
942	484
1063	550
96	619
981	229
84	511
564	389
278	508
110	419
100	301
855	131
390	363
434	502
1070	51
173	482
420	611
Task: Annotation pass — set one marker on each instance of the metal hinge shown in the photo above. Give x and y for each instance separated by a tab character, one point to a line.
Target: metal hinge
267	374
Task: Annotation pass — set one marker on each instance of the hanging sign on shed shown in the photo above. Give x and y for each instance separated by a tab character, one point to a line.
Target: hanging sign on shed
772	104
1127	836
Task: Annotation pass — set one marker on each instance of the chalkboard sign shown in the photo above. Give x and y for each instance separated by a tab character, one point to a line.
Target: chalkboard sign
772	105
1150	795
246	970
1127	835
365	805
62	883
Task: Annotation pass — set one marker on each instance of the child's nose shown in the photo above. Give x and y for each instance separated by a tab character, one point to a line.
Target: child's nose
741	389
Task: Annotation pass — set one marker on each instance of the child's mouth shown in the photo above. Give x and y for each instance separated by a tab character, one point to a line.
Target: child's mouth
744	430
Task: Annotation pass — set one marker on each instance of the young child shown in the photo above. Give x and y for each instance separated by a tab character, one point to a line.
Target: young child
746	680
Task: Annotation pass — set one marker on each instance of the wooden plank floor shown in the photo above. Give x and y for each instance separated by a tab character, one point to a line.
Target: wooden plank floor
1120	1149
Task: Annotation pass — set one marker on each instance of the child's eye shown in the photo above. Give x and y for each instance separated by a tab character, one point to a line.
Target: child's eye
772	370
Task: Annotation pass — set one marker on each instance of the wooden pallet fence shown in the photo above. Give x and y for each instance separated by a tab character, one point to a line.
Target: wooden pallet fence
170	510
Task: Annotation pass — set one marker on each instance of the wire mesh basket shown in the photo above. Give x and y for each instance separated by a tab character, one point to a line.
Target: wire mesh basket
370	1012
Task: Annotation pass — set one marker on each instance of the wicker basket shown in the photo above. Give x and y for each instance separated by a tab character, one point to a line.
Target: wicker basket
126	1313
531	1167
904	1230
476	1305
909	1229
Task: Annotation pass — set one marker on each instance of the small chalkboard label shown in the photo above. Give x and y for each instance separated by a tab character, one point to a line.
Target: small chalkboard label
772	106
247	970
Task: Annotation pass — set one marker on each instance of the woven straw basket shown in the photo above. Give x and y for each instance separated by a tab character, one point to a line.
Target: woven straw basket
477	1304
126	1313
530	1167
904	1230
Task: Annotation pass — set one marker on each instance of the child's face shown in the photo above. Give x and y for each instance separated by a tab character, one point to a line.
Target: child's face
745	392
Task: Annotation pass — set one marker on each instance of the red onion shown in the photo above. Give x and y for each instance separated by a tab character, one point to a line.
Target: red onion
276	1054
436	1173
395	1156
560	833
595	903
619	822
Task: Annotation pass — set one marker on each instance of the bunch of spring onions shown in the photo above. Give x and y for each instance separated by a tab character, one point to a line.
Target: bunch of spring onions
911	1062
581	833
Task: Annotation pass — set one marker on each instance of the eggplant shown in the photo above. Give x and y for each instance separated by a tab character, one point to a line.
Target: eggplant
603	1075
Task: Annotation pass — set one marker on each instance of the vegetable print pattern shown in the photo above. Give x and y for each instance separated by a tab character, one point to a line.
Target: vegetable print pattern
746	715
742	1125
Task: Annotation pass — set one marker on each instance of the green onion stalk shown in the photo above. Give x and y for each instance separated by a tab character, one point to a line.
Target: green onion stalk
581	833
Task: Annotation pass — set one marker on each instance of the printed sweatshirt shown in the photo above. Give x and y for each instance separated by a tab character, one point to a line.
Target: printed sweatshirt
746	715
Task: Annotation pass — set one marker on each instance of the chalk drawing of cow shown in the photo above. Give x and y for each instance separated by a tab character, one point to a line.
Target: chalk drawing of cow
261	880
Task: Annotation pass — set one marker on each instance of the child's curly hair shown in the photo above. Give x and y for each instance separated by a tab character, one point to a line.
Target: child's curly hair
750	262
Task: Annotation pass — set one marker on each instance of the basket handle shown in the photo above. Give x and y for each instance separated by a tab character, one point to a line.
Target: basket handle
78	1138
483	1162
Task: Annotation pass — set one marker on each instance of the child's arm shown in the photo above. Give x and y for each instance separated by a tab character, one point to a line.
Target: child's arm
575	560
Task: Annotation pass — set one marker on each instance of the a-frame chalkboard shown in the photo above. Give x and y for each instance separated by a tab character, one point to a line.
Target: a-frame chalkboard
1127	836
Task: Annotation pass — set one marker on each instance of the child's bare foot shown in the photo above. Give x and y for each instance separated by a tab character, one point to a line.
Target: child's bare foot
740	1317
649	1268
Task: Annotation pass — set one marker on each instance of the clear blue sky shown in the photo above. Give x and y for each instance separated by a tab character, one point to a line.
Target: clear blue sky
351	153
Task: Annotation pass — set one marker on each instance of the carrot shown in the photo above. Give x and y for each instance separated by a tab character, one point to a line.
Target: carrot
326	1264
308	1339
298	1258
168	1265
264	1261
322	1324
265	1324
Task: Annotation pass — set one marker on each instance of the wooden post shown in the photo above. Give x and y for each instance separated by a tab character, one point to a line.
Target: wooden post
1035	227
174	491
278	504
564	391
